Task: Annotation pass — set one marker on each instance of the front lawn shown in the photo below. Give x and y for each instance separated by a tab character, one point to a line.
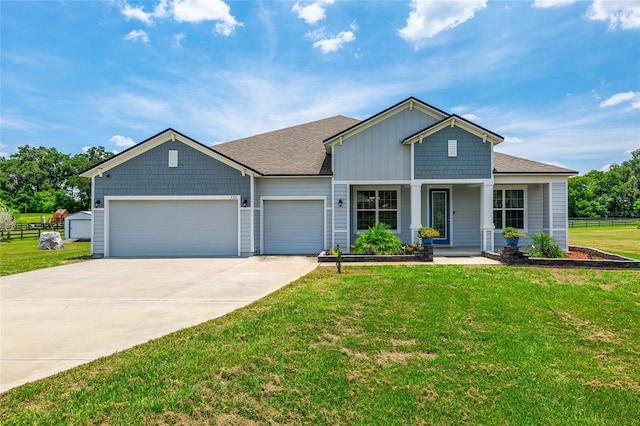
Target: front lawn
378	345
23	255
622	240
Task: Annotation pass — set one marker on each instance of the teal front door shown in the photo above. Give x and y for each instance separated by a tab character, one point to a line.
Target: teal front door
439	214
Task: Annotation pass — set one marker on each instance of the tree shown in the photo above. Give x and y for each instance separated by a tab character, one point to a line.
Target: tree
7	222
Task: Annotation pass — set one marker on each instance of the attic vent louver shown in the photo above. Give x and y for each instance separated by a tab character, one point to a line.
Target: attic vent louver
173	158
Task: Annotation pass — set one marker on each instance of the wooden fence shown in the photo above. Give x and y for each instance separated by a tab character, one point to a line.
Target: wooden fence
588	222
30	230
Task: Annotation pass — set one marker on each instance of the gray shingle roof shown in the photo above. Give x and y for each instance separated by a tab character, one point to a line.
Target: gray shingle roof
296	150
300	151
508	164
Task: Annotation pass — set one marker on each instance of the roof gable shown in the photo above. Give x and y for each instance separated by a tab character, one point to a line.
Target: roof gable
292	151
159	139
409	103
457	121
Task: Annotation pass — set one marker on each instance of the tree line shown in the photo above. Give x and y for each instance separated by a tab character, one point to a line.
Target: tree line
614	193
42	180
39	180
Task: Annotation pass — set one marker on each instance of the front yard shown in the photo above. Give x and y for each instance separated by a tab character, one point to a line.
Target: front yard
23	255
378	345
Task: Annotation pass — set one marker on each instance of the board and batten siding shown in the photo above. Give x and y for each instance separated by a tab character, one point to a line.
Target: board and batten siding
473	160
97	242
149	174
559	213
377	153
341	217
245	232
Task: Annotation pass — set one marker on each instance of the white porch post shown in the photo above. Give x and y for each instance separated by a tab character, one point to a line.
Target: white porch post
416	211
486	217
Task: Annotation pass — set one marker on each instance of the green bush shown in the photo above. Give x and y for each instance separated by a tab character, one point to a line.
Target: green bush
544	245
378	240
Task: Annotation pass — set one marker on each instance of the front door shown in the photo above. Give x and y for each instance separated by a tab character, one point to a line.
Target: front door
439	215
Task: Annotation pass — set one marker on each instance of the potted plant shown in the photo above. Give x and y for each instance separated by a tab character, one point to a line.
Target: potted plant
512	235
427	234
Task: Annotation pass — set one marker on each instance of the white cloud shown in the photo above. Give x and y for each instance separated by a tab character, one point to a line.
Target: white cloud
195	11
191	11
471	117
330	44
4	153
137	35
632	97
429	18
121	141
86	149
555	163
512	139
178	38
620	13
605	168
544	4
312	13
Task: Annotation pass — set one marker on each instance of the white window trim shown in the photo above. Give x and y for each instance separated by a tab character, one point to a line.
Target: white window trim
354	213
504	188
452	148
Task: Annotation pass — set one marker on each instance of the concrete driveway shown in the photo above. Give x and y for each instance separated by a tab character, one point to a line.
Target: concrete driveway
57	318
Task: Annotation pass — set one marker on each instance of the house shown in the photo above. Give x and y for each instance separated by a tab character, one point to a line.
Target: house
306	188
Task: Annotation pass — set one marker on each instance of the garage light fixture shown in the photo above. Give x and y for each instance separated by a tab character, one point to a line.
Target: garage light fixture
98	202
245	203
340	202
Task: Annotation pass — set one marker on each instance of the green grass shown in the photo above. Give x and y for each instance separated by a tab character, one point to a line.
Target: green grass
32	217
23	255
622	240
378	345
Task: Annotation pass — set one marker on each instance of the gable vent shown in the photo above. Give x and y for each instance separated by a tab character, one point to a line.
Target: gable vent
173	158
453	148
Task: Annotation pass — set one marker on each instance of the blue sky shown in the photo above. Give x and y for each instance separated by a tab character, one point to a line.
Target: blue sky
560	80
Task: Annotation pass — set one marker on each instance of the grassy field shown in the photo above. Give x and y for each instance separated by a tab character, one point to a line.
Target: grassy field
32	217
23	255
378	345
622	240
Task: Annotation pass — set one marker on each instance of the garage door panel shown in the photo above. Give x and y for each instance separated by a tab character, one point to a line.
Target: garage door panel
293	226
173	228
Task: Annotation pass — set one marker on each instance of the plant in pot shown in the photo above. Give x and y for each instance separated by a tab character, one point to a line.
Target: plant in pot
427	234
512	235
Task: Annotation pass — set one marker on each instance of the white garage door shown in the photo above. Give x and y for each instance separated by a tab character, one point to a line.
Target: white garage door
293	226
173	228
80	228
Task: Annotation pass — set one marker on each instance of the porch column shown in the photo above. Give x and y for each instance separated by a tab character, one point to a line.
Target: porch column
416	211
486	217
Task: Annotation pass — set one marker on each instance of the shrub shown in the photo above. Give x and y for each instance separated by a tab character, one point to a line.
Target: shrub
510	233
544	245
378	240
7	222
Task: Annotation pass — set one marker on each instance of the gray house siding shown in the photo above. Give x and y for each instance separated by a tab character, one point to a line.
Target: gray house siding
98	232
559	213
149	174
245	232
341	220
473	160
376	153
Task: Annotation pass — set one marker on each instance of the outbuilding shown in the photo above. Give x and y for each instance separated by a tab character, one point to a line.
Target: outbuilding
78	226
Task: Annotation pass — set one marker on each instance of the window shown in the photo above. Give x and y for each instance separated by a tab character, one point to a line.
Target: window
173	158
374	206
508	208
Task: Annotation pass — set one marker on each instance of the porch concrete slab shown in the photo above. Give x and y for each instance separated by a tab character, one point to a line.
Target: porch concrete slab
57	318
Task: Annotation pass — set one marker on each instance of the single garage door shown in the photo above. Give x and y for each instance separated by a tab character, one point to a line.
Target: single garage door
173	228
293	226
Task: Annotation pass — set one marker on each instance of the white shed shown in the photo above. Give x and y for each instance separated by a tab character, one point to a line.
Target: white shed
78	225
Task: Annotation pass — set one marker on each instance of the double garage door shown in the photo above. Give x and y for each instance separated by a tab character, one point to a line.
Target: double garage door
173	228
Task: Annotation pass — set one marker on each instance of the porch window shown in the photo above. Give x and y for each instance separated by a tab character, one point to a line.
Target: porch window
508	208
377	206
